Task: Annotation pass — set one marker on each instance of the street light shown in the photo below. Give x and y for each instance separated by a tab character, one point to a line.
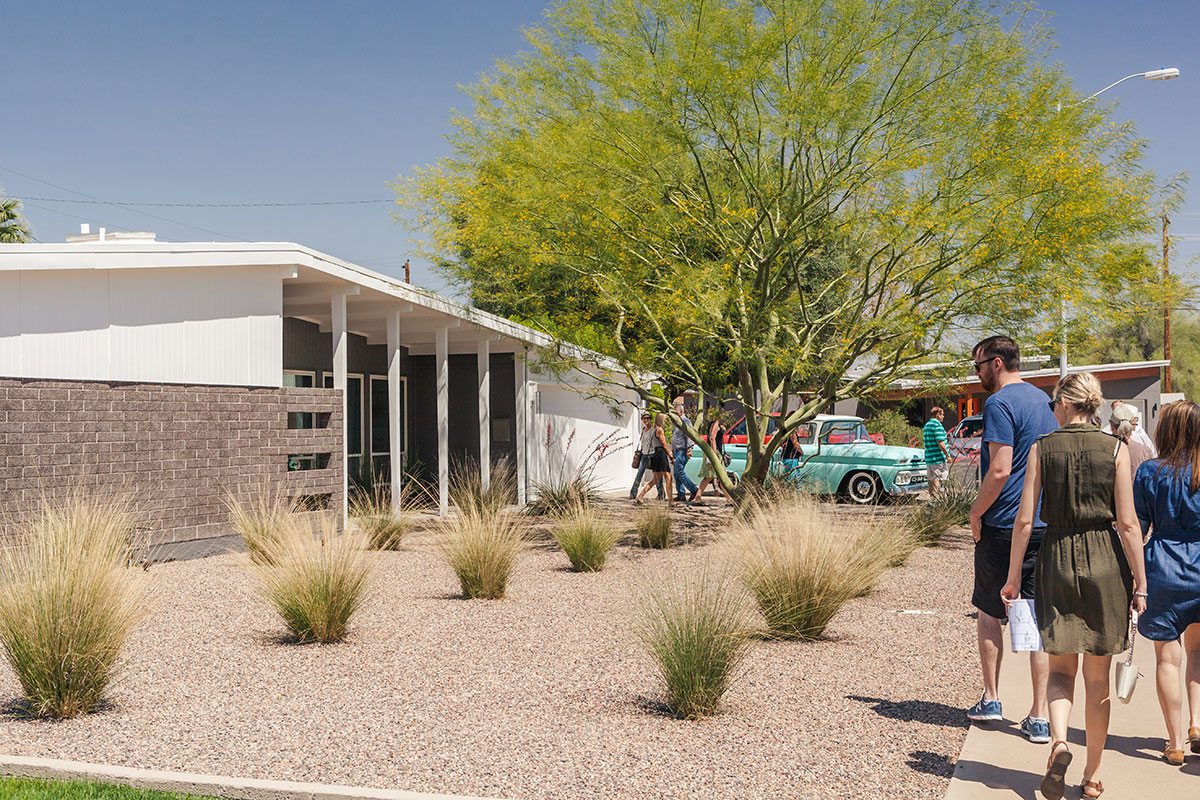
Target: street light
1163	74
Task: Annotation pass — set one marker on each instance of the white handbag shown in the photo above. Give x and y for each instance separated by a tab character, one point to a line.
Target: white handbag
1127	673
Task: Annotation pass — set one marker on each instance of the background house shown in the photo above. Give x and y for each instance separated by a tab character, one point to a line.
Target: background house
180	371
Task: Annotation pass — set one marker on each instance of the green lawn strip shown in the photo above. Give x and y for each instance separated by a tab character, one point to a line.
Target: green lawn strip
38	789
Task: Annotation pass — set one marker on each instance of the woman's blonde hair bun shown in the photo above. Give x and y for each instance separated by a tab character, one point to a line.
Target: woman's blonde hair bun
1081	390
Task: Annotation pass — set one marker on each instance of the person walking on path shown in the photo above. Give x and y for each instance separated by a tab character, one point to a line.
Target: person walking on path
708	474
1090	572
937	451
1121	423
1139	434
1166	496
646	452
1014	415
660	461
681	451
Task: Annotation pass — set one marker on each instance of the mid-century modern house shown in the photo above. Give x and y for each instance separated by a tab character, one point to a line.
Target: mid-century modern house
179	372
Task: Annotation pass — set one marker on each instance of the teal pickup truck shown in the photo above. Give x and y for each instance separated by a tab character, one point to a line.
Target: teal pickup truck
839	458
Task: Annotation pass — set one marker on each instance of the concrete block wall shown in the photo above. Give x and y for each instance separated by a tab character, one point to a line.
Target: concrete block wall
173	450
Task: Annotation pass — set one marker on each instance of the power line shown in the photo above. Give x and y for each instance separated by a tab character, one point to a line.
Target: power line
118	205
214	205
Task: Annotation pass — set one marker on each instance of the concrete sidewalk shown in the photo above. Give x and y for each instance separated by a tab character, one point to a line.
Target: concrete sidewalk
998	762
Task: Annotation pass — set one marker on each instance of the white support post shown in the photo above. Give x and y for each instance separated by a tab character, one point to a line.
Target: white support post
441	348
485	414
395	387
522	426
338	323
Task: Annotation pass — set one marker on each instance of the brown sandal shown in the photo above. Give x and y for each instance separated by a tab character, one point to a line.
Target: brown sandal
1194	739
1095	785
1173	756
1054	784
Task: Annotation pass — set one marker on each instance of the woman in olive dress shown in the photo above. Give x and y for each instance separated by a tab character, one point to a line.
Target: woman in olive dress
1089	569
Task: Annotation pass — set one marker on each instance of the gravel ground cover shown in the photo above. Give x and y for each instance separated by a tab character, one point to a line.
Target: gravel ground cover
541	695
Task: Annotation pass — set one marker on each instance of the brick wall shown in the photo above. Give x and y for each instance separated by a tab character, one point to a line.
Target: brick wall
174	450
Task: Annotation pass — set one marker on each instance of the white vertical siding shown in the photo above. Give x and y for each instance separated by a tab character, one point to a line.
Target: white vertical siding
567	427
10	323
204	325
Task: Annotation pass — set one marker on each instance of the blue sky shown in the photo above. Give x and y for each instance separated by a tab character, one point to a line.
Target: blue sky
266	102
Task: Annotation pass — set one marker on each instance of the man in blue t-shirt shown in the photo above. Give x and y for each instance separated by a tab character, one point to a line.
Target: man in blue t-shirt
1014	416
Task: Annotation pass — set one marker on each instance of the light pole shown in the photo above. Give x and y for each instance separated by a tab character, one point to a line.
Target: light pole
1164	74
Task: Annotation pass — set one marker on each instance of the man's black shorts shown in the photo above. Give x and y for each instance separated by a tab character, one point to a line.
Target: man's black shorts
992	553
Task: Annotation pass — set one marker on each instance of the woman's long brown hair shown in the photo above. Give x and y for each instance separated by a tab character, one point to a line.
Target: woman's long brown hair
1177	438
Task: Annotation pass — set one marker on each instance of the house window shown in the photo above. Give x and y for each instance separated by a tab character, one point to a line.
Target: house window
354	419
380	429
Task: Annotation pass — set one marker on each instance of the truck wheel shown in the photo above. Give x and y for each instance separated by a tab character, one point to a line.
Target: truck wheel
863	488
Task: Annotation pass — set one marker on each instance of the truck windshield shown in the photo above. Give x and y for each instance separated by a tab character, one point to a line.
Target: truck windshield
844	432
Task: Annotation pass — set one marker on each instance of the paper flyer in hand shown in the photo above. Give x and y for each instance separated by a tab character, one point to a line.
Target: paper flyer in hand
1022	627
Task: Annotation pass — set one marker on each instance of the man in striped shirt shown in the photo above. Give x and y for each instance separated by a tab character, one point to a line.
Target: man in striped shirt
937	454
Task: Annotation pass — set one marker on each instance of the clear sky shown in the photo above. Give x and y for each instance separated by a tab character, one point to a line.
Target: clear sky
276	102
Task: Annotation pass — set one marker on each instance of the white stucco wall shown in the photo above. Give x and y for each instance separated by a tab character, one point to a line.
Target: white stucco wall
566	428
220	325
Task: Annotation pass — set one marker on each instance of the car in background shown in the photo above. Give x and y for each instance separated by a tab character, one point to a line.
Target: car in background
838	457
965	440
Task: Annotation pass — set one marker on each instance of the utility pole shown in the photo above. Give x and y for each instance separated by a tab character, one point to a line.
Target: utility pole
1167	307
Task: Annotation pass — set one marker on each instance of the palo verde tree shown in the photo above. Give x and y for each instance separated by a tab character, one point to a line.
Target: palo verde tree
794	200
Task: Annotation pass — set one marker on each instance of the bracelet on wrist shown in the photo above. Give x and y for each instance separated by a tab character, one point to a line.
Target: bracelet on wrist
1141	594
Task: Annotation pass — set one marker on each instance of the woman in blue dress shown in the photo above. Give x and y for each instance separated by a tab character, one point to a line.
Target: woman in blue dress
1166	494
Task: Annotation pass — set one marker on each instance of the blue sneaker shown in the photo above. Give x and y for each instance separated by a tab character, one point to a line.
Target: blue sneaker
1036	729
985	711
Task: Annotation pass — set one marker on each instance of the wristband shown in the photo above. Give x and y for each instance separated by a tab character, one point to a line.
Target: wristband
1141	594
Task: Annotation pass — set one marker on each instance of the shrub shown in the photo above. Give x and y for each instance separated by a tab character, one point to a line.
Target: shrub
482	549
949	508
260	519
802	561
586	539
68	601
697	632
316	580
383	527
562	498
894	426
565	490
654	528
467	492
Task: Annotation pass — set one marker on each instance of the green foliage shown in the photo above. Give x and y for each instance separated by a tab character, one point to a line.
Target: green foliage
803	561
895	428
759	197
316	580
13	227
38	789
68	601
949	508
1139	337
586	538
654	528
697	632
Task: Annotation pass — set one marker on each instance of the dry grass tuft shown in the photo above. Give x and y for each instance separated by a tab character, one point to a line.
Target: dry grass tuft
482	548
586	538
383	526
316	579
261	519
697	631
803	561
949	508
466	487
654	528
68	601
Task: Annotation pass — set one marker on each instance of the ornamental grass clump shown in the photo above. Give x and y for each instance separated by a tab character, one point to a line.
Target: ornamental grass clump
317	579
586	538
261	518
68	602
949	508
801	562
466	486
383	526
697	631
482	547
654	528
